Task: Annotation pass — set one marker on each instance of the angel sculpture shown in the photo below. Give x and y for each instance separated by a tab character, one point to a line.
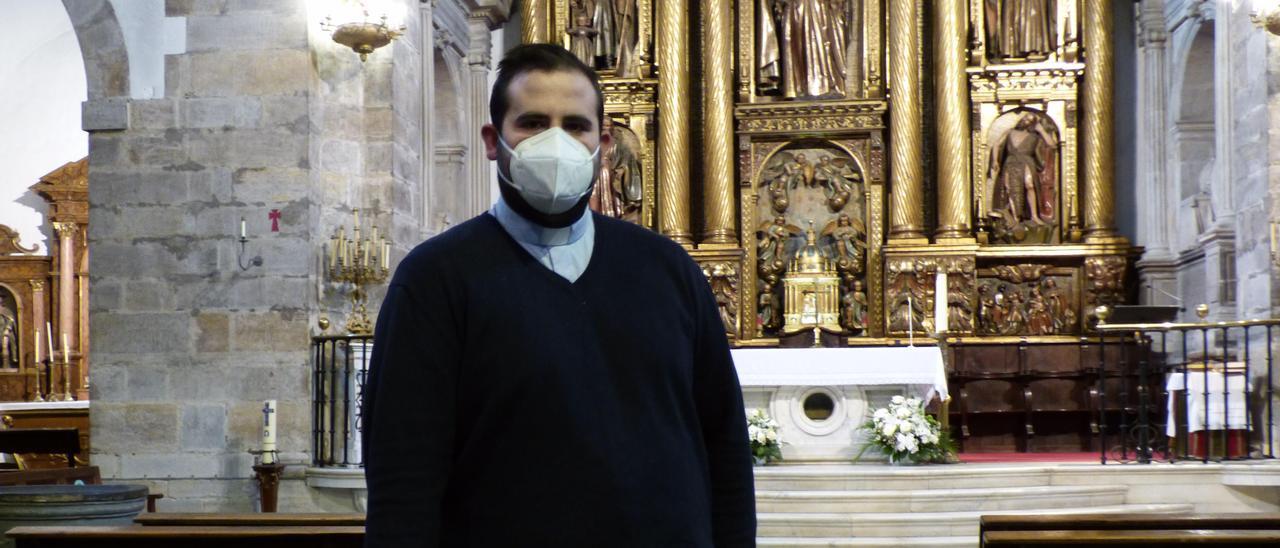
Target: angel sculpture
772	248
837	177
849	240
784	172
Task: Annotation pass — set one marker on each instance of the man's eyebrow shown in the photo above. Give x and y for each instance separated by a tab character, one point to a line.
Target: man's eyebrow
532	116
579	118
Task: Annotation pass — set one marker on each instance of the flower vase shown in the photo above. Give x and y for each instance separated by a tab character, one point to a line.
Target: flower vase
759	461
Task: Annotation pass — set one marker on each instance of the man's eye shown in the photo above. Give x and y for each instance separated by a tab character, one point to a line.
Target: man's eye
533	124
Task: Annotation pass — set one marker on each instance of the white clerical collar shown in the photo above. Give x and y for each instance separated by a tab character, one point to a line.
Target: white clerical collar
530	233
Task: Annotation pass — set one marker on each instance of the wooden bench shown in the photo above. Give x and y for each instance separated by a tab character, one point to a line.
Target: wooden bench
1130	538
1093	527
166	519
158	536
51	476
57	441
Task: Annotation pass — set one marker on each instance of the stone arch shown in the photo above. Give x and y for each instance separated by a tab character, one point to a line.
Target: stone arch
106	59
1193	115
446	120
448	195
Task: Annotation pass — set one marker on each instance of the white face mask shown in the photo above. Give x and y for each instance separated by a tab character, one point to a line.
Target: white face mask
551	170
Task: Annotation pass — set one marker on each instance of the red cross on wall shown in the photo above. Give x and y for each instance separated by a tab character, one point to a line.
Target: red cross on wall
275	220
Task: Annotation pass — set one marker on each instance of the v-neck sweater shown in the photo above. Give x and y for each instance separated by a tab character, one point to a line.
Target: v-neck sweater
508	406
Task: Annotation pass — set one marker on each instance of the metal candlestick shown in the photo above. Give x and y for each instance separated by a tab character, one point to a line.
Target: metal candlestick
66	380
39	385
359	263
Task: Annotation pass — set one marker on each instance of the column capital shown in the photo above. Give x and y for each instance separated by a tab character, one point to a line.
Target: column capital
37	285
493	12
480	43
65	229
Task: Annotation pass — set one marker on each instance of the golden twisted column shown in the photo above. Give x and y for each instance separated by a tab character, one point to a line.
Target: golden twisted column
951	95
1099	141
717	125
906	203
535	17
673	121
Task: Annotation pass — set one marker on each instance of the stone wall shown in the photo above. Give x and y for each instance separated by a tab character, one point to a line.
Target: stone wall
261	112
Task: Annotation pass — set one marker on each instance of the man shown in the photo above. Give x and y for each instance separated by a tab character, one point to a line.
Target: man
543	376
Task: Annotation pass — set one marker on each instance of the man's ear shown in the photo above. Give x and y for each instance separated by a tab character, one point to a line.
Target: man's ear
489	134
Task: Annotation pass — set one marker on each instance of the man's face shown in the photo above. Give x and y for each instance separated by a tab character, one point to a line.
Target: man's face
539	100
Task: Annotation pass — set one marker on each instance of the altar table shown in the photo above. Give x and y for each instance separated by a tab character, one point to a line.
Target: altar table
918	367
844	385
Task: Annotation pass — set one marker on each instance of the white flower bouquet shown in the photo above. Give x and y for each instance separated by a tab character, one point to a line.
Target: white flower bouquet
762	430
905	433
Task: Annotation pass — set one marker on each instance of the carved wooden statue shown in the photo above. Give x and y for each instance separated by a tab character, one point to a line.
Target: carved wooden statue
581	33
1023	170
802	47
9	348
1020	29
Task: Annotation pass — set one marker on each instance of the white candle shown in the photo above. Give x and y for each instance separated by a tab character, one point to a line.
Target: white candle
48	328
37	345
242	231
66	349
940	303
386	252
269	432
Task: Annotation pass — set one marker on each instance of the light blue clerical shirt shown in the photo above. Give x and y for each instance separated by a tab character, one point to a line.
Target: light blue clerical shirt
566	251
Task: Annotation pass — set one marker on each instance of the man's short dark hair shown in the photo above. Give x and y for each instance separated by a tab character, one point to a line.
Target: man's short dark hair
538	57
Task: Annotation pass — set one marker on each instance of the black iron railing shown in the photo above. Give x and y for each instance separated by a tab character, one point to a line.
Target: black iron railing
340	365
1185	391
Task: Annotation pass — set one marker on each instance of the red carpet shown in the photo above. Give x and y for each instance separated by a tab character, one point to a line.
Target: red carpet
1028	457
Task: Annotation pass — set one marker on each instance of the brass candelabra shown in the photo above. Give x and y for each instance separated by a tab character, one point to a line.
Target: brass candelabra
359	263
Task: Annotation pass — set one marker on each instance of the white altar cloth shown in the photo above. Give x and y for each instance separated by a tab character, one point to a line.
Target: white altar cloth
6	407
1219	406
919	367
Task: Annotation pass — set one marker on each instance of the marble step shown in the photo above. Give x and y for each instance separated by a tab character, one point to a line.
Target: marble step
837	542
846	477
924	524
939	500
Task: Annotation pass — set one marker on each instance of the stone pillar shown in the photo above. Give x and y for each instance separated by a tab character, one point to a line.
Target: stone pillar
717	127
674	109
1098	135
479	59
1156	268
1225	56
533	28
906	207
951	95
427	27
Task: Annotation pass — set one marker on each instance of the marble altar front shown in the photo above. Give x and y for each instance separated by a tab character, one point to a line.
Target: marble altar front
821	396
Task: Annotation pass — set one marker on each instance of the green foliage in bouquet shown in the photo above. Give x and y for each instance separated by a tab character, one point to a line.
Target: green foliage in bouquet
907	434
763	432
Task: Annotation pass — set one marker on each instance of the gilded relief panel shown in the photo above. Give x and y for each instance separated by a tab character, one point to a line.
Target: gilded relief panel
1028	299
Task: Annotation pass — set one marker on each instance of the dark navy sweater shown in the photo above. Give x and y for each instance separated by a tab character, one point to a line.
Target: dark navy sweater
507	406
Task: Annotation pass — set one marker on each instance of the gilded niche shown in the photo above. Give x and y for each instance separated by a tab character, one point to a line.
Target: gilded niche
802	49
811	183
1022	179
1020	30
619	191
604	34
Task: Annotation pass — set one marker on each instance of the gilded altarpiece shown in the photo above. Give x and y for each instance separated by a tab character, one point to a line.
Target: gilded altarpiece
1000	178
902	139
